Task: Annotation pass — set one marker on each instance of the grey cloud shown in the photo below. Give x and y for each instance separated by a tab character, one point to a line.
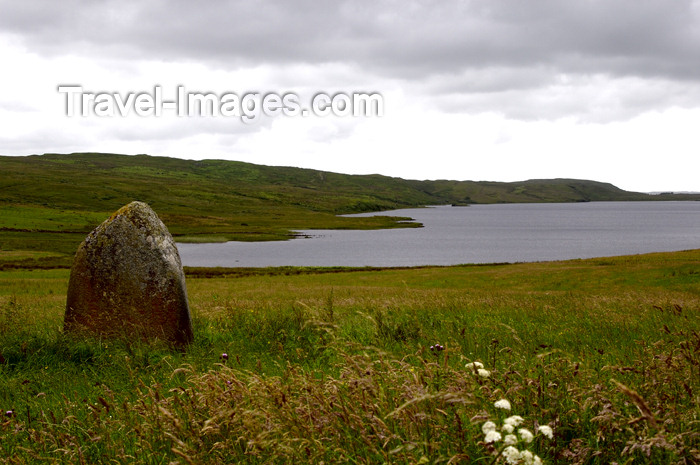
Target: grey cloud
42	140
488	79
461	48
588	99
405	37
171	129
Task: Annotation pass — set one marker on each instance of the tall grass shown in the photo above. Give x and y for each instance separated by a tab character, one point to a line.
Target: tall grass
338	368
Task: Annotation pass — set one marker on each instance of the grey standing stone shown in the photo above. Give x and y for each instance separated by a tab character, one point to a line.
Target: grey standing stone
127	281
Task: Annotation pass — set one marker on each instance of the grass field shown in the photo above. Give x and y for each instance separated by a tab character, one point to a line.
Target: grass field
336	366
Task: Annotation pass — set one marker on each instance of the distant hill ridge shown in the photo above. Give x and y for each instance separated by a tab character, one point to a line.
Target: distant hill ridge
387	191
98	181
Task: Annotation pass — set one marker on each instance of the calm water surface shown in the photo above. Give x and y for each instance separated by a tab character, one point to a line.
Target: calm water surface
477	234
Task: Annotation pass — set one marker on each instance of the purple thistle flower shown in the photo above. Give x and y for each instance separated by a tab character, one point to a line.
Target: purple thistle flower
224	356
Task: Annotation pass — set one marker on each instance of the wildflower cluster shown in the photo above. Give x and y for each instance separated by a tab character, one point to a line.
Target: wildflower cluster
511	438
437	348
502	403
478	368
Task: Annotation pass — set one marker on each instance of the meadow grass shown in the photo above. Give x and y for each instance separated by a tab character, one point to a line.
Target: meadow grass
370	366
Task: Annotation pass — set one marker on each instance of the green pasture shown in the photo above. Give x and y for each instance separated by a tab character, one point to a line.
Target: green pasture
336	366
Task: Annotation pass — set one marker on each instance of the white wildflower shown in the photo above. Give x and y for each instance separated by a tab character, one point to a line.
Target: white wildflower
527	457
473	365
526	434
508	428
511	454
537	460
503	403
488	426
483	373
510	439
515	420
546	430
492	436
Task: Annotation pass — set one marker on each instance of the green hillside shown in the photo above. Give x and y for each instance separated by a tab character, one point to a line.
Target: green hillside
48	203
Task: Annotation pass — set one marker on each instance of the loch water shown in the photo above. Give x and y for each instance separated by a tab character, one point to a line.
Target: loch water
476	234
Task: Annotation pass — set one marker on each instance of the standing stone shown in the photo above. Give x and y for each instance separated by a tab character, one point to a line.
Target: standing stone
127	281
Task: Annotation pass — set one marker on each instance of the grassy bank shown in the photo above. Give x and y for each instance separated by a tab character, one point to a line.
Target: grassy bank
337	366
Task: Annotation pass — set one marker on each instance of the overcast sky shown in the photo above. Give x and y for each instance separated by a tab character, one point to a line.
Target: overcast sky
498	90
